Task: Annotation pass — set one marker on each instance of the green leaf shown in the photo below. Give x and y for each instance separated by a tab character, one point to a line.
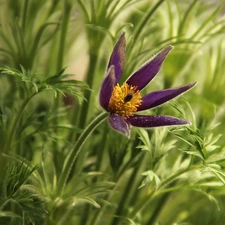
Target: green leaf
144	137
210	197
15	177
216	169
150	179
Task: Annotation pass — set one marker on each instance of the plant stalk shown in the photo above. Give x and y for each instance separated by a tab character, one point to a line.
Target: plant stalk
90	79
76	150
164	183
12	129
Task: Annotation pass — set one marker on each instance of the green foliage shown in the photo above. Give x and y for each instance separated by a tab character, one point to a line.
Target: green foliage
24	31
86	173
57	83
19	204
29	86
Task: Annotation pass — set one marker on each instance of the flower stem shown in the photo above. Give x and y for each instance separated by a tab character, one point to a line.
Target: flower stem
76	150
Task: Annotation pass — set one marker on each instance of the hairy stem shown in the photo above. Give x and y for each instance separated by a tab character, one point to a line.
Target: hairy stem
77	148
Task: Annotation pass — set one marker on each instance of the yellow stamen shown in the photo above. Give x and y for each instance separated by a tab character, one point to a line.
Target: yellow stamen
125	100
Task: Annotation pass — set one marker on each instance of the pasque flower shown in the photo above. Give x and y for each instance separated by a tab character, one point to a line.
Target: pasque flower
123	101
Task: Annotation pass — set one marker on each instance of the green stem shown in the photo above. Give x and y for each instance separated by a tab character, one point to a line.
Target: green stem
125	198
141	26
65	21
59	64
10	135
14	124
142	204
100	154
186	19
158	209
76	150
100	213
144	20
87	94
128	192
24	15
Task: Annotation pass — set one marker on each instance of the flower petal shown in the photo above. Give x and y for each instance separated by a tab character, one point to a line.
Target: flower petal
154	121
107	88
156	98
147	72
118	56
119	124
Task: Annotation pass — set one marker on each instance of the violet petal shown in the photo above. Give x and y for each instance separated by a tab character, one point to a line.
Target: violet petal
119	124
154	121
107	88
156	98
147	72
118	56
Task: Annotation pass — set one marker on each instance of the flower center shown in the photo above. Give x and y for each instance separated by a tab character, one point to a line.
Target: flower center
125	100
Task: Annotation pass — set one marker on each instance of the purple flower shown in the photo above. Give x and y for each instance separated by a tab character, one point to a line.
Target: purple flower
123	101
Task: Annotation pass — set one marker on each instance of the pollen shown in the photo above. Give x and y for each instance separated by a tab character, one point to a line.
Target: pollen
125	100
